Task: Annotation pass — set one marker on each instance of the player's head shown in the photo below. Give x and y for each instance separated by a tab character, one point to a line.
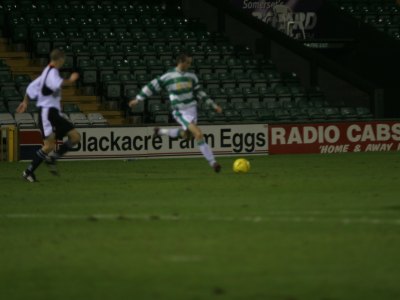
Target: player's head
184	61
57	58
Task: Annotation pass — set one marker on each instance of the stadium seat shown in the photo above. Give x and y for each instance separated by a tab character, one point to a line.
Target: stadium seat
232	115
219	66
249	114
259	80
364	113
283	93
251	94
6	80
290	79
316	113
155	67
112	89
274	104
10	94
210	81
19	34
138	67
202	116
97	120
70	108
258	105
216	117
318	102
6	119
163	52
302	102
24	120
267	95
12	105
241	106
282	115
158	112
227	80
243	80
3	108
265	115
161	118
32	108
88	72
332	113
348	113
299	114
79	119
298	93
104	67
288	104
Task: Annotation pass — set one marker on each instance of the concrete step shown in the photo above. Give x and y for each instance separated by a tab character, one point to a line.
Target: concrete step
4	48
12	54
79	98
117	122
111	113
27	69
20	62
68	92
93	107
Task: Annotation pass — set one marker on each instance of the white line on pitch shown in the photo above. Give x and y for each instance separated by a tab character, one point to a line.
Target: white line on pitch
208	218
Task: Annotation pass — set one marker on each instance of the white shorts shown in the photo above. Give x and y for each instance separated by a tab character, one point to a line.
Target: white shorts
185	116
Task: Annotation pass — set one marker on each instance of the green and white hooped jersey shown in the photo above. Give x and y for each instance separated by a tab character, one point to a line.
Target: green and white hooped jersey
183	89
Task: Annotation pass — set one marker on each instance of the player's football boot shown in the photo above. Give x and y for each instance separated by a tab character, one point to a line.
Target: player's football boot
29	176
217	167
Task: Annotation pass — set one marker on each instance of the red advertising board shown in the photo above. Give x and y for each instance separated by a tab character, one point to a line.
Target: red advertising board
334	137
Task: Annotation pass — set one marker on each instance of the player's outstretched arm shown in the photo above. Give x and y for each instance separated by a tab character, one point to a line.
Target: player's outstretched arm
23	105
147	91
218	108
133	103
74	77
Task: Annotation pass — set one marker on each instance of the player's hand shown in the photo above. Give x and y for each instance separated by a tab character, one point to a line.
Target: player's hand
133	103
218	109
22	107
74	76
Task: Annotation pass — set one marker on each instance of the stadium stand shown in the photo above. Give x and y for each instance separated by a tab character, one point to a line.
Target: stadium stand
381	14
119	46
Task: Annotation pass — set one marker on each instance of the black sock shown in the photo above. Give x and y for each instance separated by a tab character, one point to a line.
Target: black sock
64	148
37	160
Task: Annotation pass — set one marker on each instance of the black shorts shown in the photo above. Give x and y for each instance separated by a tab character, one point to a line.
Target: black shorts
50	121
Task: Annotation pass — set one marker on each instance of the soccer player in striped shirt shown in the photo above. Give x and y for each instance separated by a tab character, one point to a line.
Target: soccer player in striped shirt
183	88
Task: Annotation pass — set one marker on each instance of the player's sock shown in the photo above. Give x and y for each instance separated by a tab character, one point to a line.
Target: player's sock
207	152
171	132
39	156
64	148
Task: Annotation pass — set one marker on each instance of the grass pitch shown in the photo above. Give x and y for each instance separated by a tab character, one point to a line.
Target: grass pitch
298	227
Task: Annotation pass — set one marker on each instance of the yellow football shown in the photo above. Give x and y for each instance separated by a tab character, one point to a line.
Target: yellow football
241	165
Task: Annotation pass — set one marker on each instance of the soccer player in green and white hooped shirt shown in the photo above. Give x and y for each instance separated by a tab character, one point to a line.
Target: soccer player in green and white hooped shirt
183	88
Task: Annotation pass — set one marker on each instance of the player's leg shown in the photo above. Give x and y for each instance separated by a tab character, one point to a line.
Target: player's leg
188	118
39	156
63	128
204	147
171	132
48	145
73	139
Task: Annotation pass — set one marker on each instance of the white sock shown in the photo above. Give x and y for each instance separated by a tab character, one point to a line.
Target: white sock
172	132
207	152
